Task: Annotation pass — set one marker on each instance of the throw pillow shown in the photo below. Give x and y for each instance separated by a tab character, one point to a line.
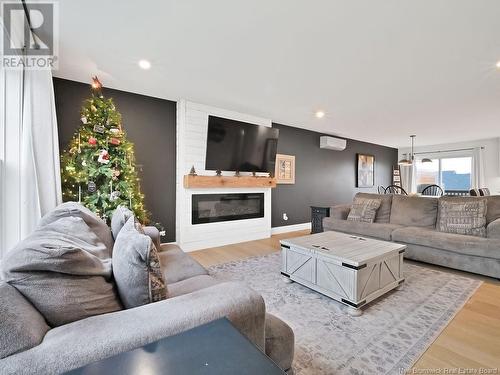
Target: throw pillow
64	270
74	209
466	217
364	210
136	267
119	218
384	211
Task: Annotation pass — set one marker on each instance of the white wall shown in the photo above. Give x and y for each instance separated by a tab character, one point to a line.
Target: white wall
491	157
192	127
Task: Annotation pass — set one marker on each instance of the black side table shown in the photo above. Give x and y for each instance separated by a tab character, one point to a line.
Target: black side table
317	215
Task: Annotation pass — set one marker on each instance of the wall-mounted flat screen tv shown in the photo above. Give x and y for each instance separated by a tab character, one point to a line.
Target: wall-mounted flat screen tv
240	146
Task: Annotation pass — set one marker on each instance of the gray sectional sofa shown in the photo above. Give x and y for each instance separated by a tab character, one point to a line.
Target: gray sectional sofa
411	220
28	345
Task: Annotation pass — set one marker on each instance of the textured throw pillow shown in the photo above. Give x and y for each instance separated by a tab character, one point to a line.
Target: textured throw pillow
465	217
119	218
74	209
64	270
136	267
384	211
364	210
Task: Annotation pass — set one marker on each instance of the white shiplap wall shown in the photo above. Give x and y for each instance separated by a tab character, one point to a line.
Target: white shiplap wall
192	126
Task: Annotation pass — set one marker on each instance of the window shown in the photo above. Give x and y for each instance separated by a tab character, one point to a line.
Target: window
453	174
456	173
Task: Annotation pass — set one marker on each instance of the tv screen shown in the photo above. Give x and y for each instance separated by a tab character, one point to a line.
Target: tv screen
240	146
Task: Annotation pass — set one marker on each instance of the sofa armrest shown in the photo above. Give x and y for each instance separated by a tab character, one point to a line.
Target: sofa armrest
154	233
88	340
340	211
493	229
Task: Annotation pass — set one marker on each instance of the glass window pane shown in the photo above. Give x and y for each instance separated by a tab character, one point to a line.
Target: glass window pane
427	174
456	173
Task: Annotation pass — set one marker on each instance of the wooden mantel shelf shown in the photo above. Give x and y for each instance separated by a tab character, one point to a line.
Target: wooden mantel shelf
205	182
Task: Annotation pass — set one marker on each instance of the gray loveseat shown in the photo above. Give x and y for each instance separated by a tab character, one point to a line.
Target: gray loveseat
411	220
194	298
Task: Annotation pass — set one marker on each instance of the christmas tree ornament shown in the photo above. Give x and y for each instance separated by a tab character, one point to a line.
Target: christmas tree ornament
96	84
114	131
99	129
114	195
93	108
114	141
103	157
92	141
91	187
84	120
116	174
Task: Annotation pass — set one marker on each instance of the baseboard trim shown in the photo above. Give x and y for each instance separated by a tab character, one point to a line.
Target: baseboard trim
290	228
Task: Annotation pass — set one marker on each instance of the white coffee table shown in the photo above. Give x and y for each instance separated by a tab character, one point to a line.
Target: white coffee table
351	269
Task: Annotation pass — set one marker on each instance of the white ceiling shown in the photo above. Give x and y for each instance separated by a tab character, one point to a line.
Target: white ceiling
381	70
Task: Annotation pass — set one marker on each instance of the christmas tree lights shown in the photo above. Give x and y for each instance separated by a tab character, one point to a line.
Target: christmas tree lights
98	167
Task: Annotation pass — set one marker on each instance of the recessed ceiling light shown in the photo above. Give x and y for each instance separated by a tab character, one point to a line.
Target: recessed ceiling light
144	64
498	64
320	114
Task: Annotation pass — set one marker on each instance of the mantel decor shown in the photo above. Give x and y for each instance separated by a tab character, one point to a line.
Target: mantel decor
206	182
365	171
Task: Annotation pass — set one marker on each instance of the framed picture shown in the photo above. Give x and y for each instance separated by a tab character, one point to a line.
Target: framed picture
285	169
365	170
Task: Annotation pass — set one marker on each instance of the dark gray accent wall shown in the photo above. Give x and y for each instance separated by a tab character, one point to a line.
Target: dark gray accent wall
151	124
323	177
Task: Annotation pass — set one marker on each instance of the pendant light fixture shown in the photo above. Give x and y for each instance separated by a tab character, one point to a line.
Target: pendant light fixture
411	157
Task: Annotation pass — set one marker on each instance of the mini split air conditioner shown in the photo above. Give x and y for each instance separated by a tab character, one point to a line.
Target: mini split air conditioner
332	143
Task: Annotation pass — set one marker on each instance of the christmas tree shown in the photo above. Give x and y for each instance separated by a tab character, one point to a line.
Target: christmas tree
98	168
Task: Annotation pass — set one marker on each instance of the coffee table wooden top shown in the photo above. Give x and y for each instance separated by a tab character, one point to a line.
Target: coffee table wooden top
345	248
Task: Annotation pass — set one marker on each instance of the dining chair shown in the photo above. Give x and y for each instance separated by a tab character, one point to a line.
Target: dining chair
395	189
433	190
484	192
381	189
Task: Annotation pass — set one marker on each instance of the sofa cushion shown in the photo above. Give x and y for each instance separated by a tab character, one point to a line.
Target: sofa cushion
64	270
191	285
136	267
73	209
457	243
363	210
464	217
384	211
21	325
177	265
375	230
118	219
414	211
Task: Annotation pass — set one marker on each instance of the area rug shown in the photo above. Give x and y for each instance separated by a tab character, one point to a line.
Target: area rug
388	338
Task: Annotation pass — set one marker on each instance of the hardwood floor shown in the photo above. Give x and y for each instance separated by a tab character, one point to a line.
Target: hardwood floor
470	341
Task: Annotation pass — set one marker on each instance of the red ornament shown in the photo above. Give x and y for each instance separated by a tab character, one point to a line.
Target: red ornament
92	141
114	141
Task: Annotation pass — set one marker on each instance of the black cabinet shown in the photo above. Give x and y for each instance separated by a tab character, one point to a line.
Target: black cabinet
317	215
